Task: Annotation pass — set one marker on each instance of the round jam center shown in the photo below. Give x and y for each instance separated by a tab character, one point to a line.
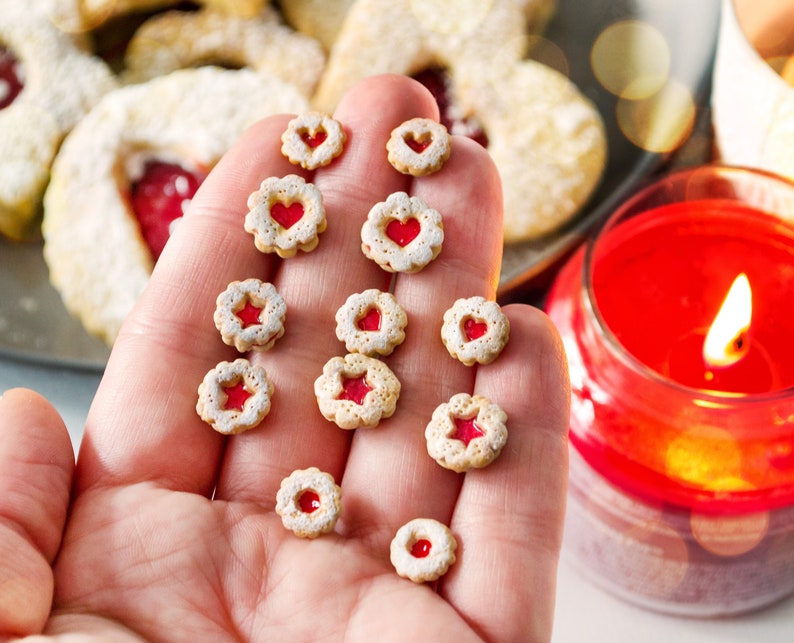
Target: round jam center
309	501
421	548
10	77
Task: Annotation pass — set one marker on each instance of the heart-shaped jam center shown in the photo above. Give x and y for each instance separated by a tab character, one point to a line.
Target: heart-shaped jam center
314	139
287	215
355	389
403	232
466	430
160	197
421	548
309	501
10	77
418	145
370	320
249	314
236	396
474	329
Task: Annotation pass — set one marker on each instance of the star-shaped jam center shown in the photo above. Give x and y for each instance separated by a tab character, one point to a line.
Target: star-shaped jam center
236	396
249	314
466	430
355	389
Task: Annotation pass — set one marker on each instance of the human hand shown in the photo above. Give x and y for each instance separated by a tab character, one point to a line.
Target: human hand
170	532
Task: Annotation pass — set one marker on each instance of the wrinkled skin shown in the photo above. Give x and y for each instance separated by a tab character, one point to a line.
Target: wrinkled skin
166	531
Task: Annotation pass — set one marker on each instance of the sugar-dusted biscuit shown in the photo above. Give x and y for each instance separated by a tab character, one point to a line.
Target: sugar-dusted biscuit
418	147
356	391
234	396
402	233
309	502
423	550
178	39
48	82
312	140
371	322
250	314
320	19
97	256
468	432
286	215
475	330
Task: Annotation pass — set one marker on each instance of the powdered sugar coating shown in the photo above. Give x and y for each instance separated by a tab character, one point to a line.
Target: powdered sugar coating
416	254
431	564
481	345
390	330
325	511
433	148
453	452
310	124
269	234
212	396
261	335
379	403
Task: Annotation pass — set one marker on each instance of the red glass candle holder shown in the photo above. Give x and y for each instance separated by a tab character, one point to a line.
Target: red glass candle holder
682	470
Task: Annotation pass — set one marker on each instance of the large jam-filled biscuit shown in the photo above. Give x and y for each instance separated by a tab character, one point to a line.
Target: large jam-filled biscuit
309	502
422	550
49	83
97	256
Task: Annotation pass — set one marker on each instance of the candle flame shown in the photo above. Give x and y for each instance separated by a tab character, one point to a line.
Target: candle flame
726	342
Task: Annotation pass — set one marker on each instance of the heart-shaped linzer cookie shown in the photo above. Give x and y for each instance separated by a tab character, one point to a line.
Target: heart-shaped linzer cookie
287	215
403	232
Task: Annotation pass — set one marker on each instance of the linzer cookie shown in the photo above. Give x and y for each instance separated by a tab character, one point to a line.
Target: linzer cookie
250	314
468	432
286	215
423	550
234	396
402	234
312	140
371	322
475	330
418	147
356	391
309	502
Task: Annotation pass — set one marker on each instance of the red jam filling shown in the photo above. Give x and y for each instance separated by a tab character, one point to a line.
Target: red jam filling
421	548
370	320
249	314
10	77
287	215
309	501
314	139
355	389
474	329
403	232
418	145
466	430
236	396
160	197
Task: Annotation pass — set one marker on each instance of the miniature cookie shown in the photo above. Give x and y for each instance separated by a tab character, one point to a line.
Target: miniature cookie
356	391
93	243
475	330
468	432
312	140
234	396
423	550
418	147
402	234
179	39
285	215
47	83
309	502
250	314
371	323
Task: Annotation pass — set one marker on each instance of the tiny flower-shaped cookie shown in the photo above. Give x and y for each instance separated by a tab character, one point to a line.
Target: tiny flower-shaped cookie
468	432
312	140
475	330
402	234
309	502
423	550
285	215
356	391
371	322
418	147
250	314
234	396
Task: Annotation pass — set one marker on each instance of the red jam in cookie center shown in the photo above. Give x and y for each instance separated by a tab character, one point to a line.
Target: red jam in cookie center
249	314
314	139
355	389
466	430
418	145
474	329
403	232
236	396
10	77
309	501
287	215
421	548
370	320
159	198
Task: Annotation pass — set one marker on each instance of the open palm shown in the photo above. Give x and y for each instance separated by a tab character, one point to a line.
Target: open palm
169	532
